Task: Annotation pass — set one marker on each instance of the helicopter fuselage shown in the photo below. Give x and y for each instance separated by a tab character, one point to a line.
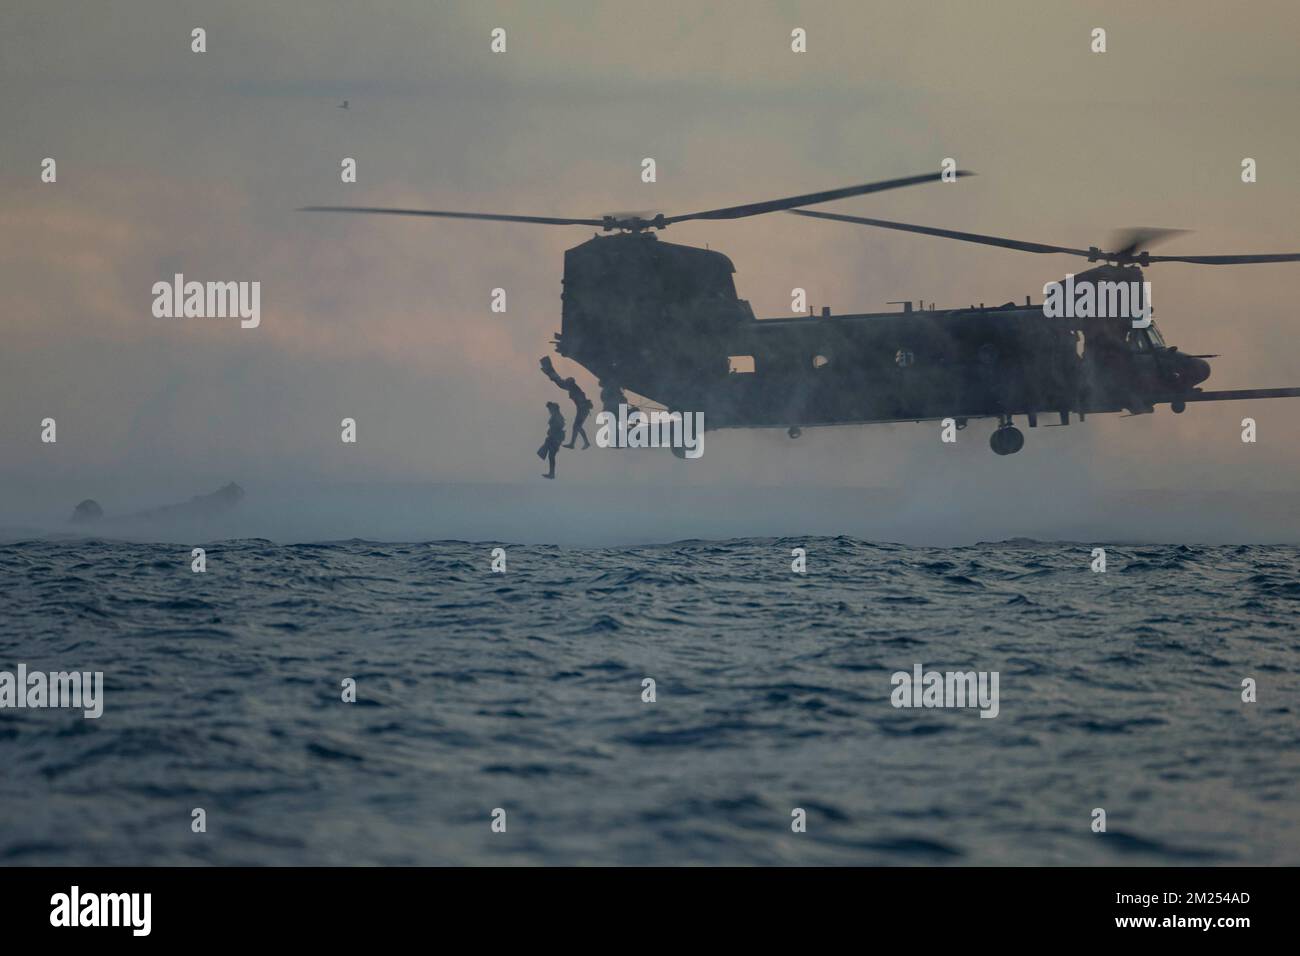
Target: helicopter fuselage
664	321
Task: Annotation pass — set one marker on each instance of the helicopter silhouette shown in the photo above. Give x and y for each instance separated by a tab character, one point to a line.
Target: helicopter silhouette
664	321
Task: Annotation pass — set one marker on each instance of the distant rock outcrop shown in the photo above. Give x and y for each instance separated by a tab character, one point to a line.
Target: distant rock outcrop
200	507
86	512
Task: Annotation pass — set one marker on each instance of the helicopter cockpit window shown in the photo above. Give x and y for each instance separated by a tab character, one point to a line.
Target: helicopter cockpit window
1157	339
1138	341
820	361
740	364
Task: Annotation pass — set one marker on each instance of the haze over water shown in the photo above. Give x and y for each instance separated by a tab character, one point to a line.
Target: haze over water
177	162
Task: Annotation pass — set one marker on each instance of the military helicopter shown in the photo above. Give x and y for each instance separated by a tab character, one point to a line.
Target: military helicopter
664	321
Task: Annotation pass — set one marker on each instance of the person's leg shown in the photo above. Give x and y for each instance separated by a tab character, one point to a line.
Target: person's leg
551	455
578	430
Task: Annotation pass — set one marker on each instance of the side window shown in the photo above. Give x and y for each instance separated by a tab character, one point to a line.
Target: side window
740	364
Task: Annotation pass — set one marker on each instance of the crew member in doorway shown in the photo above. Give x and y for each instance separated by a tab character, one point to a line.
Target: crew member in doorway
611	397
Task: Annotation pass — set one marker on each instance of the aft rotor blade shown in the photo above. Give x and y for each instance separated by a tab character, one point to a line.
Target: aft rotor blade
493	217
810	199
946	233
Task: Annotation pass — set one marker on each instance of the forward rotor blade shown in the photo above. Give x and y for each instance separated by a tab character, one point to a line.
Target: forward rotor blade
494	217
809	199
1230	260
1146	235
946	233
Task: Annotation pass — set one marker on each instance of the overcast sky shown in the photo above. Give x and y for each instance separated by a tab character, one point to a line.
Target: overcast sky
173	161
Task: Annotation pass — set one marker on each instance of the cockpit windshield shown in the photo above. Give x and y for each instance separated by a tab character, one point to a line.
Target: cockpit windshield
1146	340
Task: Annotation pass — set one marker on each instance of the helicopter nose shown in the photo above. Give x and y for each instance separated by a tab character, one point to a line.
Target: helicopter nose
1195	370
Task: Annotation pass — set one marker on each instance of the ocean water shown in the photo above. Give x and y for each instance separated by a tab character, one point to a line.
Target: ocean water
523	691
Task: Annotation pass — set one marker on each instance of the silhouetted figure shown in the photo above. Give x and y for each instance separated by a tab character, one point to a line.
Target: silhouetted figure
581	402
554	435
343	105
611	396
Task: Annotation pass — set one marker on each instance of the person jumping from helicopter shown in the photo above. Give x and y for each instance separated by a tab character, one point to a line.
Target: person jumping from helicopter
581	402
554	436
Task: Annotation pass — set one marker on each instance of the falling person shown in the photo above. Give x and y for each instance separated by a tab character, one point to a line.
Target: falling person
554	436
582	404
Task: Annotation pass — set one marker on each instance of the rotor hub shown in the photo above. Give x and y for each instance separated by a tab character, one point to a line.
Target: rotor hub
612	223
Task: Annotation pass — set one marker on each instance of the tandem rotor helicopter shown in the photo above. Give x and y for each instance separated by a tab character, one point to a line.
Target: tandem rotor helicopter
663	321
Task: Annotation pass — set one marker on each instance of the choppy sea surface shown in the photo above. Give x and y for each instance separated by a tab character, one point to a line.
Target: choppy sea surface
523	691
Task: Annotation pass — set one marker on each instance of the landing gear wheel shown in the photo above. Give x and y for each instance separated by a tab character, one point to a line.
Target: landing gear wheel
794	431
1007	440
1178	407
